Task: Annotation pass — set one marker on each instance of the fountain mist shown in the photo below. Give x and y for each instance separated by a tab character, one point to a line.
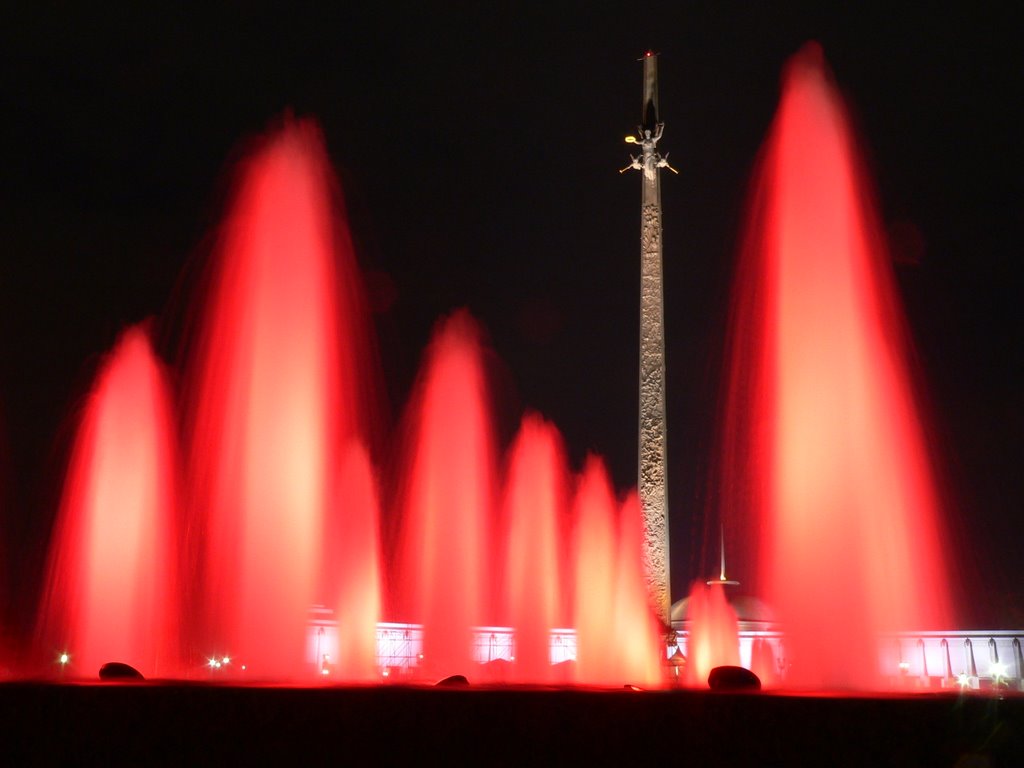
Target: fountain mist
714	633
276	391
355	570
280	511
594	557
112	586
636	628
823	444
448	499
536	575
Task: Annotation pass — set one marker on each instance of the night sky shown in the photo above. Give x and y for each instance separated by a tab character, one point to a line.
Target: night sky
478	151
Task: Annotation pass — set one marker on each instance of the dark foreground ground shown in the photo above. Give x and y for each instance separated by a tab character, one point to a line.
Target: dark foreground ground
210	724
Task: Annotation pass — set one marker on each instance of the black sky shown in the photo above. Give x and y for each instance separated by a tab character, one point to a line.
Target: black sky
478	147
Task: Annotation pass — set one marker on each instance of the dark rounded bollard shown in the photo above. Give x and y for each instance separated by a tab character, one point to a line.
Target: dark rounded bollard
116	670
733	679
453	681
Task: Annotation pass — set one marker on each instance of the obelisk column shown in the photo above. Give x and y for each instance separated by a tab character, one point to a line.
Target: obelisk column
652	468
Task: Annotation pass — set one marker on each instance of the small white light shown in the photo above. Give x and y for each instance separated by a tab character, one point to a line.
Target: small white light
386	672
64	658
998	670
963	680
213	663
325	671
420	657
226	660
243	667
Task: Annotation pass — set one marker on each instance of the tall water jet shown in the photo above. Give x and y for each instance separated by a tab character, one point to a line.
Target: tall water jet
112	590
448	498
823	446
714	639
275	392
595	553
357	569
637	628
536	577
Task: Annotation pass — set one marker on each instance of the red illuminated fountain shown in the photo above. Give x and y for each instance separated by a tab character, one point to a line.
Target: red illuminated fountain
276	396
354	572
639	645
280	511
594	556
825	459
112	588
537	577
617	637
447	500
714	633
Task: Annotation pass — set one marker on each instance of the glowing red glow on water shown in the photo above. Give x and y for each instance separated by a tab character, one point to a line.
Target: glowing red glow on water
112	592
825	443
537	580
275	391
448	499
714	639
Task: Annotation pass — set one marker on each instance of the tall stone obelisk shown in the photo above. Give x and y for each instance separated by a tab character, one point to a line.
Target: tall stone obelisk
652	473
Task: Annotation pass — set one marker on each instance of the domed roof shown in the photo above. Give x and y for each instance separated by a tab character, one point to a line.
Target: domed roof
748	608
